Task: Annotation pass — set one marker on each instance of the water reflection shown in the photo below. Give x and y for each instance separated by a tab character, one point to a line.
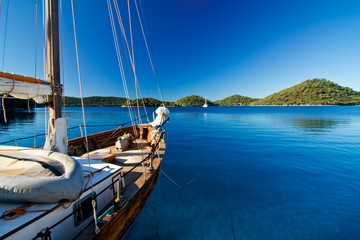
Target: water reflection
192	115
316	124
15	116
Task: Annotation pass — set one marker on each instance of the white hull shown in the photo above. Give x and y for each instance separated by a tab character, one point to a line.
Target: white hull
28	225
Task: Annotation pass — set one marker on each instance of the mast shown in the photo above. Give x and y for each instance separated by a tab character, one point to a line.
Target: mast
53	59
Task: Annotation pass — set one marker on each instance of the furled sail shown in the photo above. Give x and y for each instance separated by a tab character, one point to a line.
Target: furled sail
24	87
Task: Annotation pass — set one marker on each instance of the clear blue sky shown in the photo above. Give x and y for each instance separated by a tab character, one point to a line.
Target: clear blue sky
212	48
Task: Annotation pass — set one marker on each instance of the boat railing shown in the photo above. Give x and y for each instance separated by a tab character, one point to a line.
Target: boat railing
116	182
80	127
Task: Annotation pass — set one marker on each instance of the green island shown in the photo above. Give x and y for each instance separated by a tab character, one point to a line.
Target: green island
314	92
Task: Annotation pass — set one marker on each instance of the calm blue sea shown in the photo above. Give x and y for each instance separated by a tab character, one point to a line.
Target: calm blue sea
244	172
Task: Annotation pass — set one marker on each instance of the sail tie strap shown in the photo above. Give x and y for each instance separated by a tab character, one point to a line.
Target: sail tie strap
5	95
3	108
12	87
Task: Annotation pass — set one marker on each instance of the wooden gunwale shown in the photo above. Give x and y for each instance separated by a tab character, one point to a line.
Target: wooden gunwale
121	222
134	194
100	140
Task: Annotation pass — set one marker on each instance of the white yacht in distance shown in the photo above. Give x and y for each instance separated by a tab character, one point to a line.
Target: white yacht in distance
205	104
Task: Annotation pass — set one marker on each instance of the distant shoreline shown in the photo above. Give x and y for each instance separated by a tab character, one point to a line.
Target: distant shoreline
217	106
315	92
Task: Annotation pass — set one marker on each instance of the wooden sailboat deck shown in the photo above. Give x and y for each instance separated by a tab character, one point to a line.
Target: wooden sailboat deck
139	182
134	169
131	165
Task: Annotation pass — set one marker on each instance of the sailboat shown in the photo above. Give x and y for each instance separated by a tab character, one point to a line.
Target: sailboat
205	104
93	186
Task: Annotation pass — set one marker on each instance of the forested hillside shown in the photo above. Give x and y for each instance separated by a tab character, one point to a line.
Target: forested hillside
313	92
193	100
310	92
95	101
235	100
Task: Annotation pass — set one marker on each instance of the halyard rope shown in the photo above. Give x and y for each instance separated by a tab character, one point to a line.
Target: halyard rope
97	230
137	87
148	51
118	55
6	20
35	67
62	58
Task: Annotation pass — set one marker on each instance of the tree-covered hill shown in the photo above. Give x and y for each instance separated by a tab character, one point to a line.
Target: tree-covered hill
235	100
192	100
313	92
95	101
112	101
151	102
310	92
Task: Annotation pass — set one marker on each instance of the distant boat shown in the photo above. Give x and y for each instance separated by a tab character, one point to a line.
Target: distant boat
205	104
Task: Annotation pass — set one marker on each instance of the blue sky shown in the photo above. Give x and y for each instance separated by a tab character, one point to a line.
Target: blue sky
212	48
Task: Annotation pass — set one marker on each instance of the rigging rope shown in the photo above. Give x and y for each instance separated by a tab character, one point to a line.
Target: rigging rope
136	92
130	55
36	22
125	43
44	57
118	54
3	108
44	39
97	230
36	19
6	20
231	213
62	58
180	194
148	51
131	35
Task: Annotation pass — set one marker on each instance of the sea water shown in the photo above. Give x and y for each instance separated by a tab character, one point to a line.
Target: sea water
242	172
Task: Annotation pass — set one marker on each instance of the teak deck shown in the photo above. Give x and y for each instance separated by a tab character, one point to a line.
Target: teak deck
139	178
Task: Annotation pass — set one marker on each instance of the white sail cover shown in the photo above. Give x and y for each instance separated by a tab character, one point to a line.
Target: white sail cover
36	175
162	115
23	90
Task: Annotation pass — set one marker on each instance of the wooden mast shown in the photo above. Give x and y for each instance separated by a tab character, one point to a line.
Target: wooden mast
53	59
